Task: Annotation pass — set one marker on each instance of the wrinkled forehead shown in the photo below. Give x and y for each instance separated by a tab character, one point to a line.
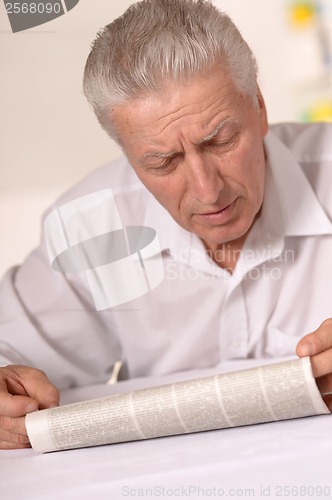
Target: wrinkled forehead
199	98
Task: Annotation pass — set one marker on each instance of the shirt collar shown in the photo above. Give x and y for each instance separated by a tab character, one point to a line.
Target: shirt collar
299	209
290	208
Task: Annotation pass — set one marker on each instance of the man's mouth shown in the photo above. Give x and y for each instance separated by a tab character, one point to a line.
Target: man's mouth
220	216
214	212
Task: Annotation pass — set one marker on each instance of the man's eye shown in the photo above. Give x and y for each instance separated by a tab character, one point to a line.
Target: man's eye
223	143
226	142
166	167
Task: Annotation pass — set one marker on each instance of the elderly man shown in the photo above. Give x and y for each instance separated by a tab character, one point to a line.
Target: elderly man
242	213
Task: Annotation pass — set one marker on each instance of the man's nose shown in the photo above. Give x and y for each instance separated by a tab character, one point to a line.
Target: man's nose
204	181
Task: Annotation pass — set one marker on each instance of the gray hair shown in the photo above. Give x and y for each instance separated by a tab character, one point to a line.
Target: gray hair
156	40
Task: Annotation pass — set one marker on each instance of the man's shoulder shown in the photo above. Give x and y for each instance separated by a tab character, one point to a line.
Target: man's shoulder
308	142
117	175
311	147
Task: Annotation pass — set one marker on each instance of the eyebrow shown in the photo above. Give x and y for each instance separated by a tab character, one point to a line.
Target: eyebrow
157	154
216	131
209	137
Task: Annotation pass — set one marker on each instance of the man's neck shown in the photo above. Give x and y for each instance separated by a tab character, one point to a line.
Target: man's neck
227	254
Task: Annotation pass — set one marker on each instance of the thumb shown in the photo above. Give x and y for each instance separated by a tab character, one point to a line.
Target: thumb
24	389
39	388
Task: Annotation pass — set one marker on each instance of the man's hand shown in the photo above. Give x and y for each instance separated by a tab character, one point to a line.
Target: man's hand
22	390
318	345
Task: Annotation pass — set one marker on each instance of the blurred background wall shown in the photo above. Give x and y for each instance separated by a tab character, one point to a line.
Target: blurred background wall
49	138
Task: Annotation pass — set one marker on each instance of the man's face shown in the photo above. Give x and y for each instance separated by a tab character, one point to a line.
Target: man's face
198	148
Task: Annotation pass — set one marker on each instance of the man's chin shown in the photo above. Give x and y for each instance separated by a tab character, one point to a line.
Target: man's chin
214	240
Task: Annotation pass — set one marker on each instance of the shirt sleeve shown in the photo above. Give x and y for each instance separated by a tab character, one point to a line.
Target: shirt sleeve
48	321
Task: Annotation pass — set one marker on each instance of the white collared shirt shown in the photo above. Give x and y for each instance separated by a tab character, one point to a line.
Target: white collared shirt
200	314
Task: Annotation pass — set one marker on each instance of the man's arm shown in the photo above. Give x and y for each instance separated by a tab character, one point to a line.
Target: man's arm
47	321
22	390
318	345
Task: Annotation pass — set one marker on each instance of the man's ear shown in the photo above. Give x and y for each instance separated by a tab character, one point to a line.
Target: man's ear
262	113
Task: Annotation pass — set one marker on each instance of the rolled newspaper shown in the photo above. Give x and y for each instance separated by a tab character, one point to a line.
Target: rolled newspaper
268	393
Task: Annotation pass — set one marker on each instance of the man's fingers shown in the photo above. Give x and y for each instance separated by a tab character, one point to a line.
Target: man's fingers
317	341
16	406
318	345
13	425
39	388
22	390
30	388
13	446
322	371
321	364
328	402
13	433
324	384
11	437
7	445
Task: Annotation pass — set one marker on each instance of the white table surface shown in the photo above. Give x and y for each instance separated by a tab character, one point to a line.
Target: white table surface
275	460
